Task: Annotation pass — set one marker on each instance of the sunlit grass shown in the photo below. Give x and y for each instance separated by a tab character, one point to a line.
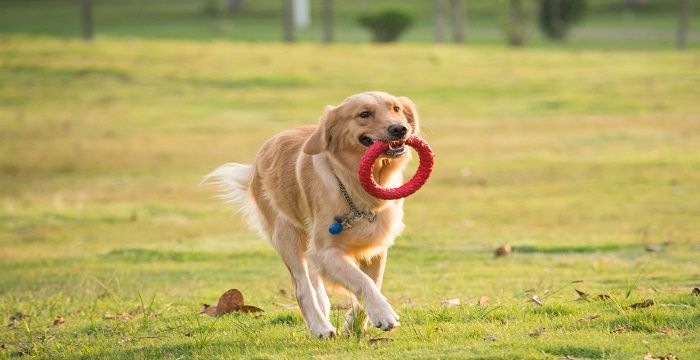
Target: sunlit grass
578	159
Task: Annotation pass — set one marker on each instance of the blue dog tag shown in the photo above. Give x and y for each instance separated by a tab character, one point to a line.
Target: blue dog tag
335	228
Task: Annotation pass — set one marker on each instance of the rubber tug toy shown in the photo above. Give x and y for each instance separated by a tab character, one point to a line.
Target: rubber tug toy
425	167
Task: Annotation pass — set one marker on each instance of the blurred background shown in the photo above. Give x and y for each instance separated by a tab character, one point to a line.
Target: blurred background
621	24
566	129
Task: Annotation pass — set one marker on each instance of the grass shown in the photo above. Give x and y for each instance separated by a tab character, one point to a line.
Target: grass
606	26
578	159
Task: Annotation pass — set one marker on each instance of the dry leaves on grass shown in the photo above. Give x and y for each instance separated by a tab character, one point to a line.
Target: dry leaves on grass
230	301
695	292
58	320
503	250
483	301
377	341
602	297
582	295
649	356
535	299
490	337
644	304
451	302
589	318
536	332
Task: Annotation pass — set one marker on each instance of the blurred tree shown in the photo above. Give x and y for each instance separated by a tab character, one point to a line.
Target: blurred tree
557	16
86	19
288	21
386	25
516	30
233	5
327	21
457	12
439	21
682	34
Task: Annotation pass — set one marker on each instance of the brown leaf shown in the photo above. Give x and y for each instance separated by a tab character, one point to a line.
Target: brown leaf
483	301
535	299
577	281
589	318
503	250
653	248
602	297
377	341
250	309
536	332
189	334
649	356
490	337
17	316
58	320
582	295
231	300
695	292
208	309
451	302
643	304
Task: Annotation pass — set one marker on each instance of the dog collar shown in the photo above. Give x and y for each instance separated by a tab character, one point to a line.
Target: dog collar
341	223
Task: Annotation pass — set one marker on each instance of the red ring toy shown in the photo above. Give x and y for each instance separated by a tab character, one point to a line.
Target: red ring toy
379	147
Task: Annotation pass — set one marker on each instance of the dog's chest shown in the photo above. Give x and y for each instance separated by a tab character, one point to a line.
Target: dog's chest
365	236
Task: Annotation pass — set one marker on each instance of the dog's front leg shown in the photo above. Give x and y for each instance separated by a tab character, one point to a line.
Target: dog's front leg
374	268
338	266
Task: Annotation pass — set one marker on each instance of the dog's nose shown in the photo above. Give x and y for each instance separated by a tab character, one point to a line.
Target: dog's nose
397	131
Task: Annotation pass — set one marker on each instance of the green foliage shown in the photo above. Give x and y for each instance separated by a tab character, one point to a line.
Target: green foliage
386	25
557	16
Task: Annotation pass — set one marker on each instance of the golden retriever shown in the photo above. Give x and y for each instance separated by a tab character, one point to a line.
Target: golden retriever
292	193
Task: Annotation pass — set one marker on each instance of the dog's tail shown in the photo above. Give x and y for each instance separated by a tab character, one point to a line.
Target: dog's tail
233	181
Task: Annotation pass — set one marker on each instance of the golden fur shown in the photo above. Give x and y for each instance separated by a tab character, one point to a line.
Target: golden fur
291	196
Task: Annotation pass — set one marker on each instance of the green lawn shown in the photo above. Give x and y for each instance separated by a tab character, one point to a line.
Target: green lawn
579	159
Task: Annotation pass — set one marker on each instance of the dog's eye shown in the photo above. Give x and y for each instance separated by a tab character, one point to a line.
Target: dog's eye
365	114
397	109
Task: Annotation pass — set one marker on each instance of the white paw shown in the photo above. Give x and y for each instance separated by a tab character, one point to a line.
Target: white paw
382	315
326	331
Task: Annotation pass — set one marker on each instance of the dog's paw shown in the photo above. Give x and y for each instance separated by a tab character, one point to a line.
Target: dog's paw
383	316
323	332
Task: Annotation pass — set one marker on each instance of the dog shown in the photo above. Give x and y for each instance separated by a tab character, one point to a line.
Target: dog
298	186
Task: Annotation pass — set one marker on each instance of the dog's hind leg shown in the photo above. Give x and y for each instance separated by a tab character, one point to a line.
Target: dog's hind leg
324	303
290	243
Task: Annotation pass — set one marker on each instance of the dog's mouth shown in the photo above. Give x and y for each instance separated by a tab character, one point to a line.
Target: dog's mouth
396	148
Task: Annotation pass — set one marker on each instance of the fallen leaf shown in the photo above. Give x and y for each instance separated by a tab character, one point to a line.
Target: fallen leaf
231	300
58	320
603	297
189	334
649	356
483	301
535	299
695	292
536	332
653	248
589	318
17	316
490	337
377	341
503	250
2	346
451	302
250	309
643	304
582	295
577	281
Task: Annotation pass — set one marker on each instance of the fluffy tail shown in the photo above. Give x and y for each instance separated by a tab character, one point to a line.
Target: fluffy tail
233	181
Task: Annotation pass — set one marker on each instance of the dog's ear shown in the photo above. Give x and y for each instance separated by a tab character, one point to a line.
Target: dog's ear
410	112
320	140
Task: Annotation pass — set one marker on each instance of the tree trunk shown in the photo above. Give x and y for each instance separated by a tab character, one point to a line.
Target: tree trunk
233	5
516	32
457	20
287	21
86	19
683	20
327	21
439	21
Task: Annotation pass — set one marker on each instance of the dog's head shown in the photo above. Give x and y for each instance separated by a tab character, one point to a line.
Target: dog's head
362	119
